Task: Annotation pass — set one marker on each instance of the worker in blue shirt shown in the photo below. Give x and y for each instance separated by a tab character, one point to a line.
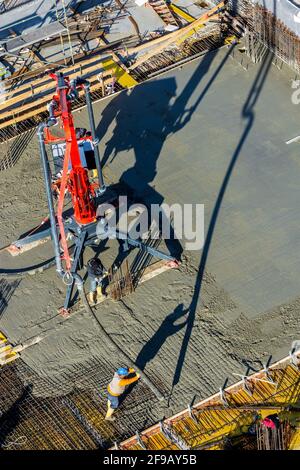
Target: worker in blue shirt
96	275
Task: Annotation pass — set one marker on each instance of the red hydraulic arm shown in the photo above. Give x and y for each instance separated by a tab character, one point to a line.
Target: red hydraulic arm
77	182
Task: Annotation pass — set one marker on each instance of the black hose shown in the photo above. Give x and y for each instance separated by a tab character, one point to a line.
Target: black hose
30	270
47	177
114	345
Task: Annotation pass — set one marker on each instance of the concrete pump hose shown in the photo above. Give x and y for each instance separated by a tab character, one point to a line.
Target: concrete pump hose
114	345
29	270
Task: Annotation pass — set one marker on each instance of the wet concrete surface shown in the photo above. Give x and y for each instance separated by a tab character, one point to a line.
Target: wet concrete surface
219	140
210	133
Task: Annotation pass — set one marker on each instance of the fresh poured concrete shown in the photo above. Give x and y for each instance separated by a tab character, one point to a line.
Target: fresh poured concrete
214	134
210	133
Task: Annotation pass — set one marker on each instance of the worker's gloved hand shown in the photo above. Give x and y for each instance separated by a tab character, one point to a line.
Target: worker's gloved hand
138	375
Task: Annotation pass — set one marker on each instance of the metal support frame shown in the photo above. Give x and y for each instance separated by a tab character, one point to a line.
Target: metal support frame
139	441
191	414
172	436
76	258
266	370
295	348
84	235
47	177
102	186
90	233
245	380
223	397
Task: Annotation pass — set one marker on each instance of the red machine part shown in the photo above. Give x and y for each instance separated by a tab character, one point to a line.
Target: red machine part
78	184
76	181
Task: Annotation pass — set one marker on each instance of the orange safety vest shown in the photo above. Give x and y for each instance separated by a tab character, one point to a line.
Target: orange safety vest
117	386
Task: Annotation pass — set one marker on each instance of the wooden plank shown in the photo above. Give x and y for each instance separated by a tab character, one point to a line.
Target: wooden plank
283	364
42	80
49	85
105	48
175	34
180	12
36	112
155	270
121	74
179	35
13	250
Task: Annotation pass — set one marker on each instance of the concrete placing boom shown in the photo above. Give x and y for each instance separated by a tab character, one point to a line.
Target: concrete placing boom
81	225
78	182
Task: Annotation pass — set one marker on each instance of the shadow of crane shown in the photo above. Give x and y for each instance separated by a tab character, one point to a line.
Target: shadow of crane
248	115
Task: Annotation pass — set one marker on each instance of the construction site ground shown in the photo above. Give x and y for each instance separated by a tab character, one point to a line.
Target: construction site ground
211	133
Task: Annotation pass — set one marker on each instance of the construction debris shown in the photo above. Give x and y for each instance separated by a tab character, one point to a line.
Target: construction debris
7	351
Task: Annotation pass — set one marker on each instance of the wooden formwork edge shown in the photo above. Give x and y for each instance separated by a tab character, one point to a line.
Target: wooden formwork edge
156	427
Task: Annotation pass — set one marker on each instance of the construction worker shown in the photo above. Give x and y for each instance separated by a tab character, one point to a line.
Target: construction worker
96	274
123	377
4	71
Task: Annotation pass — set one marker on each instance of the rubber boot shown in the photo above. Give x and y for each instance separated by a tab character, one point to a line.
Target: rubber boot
92	297
109	413
100	295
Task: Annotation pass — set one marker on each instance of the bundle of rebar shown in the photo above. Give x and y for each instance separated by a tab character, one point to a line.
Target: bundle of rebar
202	41
266	28
276	438
120	282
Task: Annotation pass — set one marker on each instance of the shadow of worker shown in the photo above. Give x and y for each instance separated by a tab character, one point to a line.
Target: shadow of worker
169	327
144	118
142	125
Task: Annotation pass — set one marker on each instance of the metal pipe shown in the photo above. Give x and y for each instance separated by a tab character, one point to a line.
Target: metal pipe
46	169
51	110
112	343
102	186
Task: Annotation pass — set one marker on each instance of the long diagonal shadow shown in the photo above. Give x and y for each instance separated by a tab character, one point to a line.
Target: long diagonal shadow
249	115
144	129
182	116
178	115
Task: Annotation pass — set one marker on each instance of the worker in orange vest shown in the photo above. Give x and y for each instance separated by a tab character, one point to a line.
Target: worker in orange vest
123	377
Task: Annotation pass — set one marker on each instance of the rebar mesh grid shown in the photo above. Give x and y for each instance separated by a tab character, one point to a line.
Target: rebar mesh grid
71	421
265	28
